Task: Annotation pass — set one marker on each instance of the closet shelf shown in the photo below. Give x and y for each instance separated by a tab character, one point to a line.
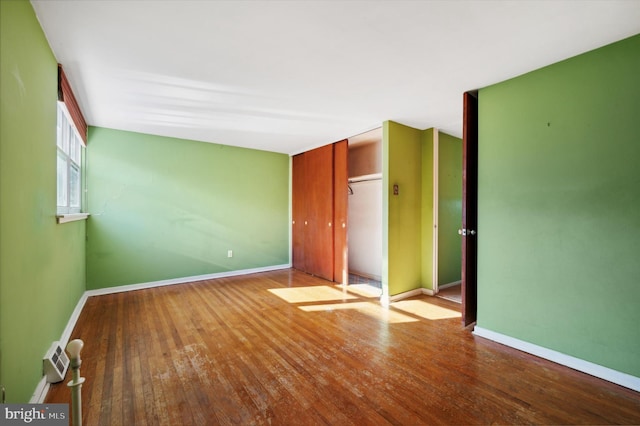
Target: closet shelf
363	178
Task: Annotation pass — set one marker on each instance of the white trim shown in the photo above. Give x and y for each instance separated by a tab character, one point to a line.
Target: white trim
41	391
43	386
605	373
407	294
73	319
436	154
71	217
132	287
443	286
428	292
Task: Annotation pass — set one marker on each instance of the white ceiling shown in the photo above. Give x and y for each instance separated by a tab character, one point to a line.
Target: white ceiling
287	76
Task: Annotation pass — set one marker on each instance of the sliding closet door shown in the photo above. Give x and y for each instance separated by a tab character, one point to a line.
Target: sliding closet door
340	211
318	241
298	211
319	212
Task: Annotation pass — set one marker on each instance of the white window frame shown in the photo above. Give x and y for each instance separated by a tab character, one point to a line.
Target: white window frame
69	194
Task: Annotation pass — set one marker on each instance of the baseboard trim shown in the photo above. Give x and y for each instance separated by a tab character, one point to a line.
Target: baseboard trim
605	373
183	280
66	334
452	284
42	388
41	391
410	293
418	291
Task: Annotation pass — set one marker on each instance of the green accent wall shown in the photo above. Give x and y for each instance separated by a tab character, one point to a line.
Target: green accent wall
401	213
559	203
164	208
449	208
42	268
408	217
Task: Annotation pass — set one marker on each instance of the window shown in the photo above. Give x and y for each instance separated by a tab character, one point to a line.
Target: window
69	164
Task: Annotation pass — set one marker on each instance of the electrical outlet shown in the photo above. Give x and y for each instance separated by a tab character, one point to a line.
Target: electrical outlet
230	253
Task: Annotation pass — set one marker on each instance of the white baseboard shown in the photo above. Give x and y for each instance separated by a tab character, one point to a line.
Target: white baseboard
66	334
132	287
417	292
605	373
440	287
410	293
42	388
41	391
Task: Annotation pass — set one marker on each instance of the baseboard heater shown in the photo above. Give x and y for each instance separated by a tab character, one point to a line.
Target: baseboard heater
55	363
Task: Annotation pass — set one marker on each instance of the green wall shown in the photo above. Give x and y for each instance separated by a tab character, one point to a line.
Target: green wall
401	213
164	208
408	217
559	203
449	208
42	269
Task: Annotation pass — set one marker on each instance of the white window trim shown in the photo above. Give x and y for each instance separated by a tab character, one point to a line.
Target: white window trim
74	213
71	217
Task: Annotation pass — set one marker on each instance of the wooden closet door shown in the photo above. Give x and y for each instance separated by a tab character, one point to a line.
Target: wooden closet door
318	241
340	199
298	211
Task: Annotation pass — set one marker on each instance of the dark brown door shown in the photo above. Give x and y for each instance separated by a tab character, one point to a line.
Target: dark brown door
340	199
318	243
298	211
469	208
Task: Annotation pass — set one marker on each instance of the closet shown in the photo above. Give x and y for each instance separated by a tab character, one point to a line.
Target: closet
365	208
319	211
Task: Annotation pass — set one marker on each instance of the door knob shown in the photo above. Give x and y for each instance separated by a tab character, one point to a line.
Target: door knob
464	232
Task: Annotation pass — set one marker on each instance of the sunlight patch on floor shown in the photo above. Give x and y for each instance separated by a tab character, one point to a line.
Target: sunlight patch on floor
311	294
364	290
371	309
425	310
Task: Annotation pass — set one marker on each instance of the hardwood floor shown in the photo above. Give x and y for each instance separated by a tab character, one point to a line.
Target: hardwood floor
453	293
287	348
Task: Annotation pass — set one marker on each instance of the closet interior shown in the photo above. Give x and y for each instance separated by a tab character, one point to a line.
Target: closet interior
364	232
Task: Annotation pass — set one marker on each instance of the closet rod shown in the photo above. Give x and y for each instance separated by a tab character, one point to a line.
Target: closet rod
366	178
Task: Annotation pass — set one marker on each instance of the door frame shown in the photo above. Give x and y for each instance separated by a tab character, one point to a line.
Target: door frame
469	208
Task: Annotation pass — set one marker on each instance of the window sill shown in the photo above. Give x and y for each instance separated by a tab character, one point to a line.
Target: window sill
72	217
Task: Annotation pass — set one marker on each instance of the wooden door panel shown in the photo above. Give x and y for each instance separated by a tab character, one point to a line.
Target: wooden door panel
319	203
340	199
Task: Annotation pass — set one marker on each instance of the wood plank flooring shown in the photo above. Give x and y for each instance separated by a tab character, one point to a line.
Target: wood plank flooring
289	349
